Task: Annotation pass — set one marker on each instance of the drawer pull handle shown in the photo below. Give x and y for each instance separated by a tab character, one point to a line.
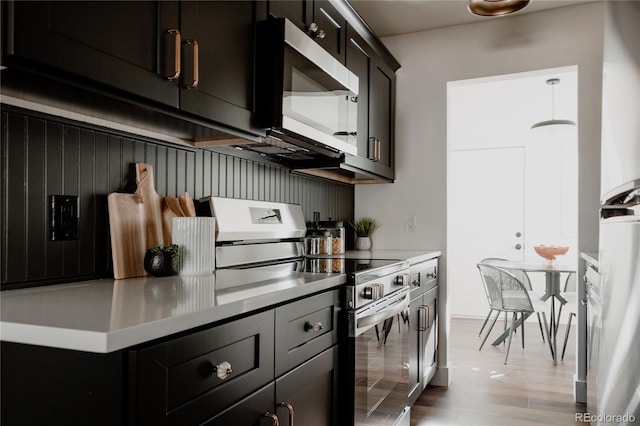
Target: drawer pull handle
315	327
273	417
289	407
223	370
432	275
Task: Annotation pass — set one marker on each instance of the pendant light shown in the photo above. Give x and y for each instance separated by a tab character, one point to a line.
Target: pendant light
553	122
495	7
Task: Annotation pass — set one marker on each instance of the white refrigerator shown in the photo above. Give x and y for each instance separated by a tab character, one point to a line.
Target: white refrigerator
618	367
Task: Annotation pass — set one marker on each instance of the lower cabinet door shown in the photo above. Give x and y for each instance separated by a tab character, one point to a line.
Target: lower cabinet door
308	393
192	378
415	349
255	410
429	336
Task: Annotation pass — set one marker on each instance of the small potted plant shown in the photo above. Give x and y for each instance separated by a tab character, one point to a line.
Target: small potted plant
364	227
162	260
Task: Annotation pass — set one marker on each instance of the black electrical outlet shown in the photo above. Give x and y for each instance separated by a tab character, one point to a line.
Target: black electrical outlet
65	212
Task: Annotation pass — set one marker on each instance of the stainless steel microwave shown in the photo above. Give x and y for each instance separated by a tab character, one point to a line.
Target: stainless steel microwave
304	96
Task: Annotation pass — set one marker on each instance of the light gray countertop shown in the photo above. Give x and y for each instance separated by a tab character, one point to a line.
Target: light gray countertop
107	315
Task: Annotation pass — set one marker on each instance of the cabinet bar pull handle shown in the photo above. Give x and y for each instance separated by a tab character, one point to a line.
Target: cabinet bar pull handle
196	73
428	317
422	319
273	417
371	154
376	150
176	61
289	407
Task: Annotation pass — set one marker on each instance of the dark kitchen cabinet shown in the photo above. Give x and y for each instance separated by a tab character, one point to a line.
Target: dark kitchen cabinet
333	26
381	117
310	391
237	372
423	320
376	108
318	18
300	12
50	386
254	410
190	379
218	57
125	45
359	61
197	56
305	328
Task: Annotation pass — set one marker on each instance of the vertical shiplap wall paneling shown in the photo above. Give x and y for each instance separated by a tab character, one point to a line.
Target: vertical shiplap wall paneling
36	201
15	246
54	260
70	182
44	155
101	189
86	189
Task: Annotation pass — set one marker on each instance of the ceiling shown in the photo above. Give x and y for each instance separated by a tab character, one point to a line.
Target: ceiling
392	17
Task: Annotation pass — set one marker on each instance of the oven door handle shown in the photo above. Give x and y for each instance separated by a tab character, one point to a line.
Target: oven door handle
388	312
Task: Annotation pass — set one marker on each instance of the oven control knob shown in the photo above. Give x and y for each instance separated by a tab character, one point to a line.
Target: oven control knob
369	292
373	291
403	279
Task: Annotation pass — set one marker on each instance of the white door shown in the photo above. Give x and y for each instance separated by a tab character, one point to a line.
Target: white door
485	219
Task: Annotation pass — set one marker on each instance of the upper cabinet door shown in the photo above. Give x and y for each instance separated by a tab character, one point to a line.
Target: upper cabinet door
331	29
126	45
299	11
218	54
358	61
318	18
381	117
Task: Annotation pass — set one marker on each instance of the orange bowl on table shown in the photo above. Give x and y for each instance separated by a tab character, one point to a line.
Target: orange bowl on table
550	252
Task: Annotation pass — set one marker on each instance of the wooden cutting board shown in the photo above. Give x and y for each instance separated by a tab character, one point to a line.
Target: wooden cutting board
140	221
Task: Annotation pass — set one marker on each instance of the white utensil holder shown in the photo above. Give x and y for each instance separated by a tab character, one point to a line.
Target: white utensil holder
195	237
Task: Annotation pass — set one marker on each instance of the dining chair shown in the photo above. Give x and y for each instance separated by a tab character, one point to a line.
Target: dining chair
524	277
569	293
507	293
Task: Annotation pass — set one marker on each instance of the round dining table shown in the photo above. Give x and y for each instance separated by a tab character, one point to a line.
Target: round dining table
552	291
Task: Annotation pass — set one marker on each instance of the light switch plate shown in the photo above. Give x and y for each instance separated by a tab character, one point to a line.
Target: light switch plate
65	215
409	222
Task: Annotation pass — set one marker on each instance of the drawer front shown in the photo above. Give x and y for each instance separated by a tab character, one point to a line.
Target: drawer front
186	380
424	276
305	328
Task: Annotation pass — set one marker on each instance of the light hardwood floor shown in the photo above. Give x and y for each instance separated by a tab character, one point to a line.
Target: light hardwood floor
529	390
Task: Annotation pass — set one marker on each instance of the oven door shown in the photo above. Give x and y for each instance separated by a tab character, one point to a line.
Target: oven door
380	345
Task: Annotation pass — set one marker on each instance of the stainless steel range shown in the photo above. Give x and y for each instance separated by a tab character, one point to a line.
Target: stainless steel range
268	239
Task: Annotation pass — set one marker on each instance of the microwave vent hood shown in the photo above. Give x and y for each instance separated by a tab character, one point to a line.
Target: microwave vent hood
305	98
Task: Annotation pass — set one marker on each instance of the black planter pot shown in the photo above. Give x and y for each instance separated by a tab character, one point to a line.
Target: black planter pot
158	263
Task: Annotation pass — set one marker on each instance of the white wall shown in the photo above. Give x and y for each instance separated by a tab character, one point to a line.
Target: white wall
429	59
560	37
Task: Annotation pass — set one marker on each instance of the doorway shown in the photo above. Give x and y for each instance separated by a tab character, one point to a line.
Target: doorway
508	188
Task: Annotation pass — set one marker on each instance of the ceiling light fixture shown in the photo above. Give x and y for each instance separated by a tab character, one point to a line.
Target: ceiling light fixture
495	7
553	122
